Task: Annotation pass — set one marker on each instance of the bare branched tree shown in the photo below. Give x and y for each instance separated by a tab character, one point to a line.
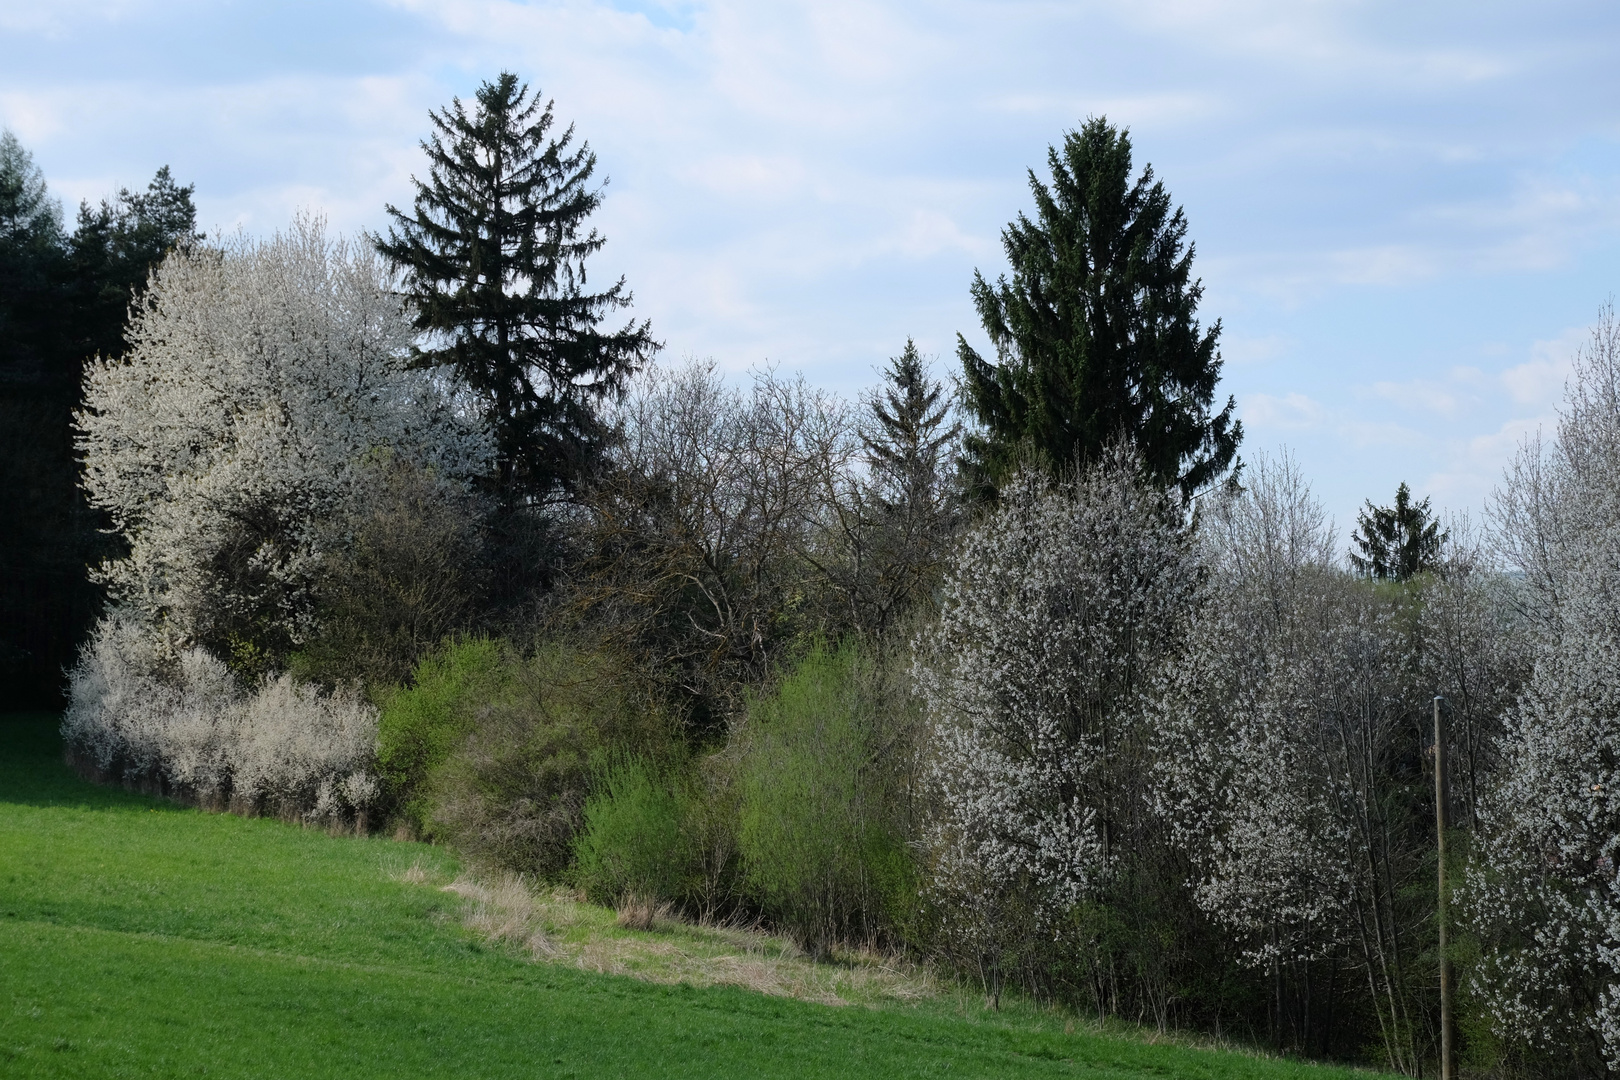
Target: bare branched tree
711	535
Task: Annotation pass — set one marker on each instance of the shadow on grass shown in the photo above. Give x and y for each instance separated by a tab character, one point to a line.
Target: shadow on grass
32	772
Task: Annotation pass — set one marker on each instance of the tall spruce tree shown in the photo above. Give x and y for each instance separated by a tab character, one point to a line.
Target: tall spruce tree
906	434
1394	543
494	254
1096	334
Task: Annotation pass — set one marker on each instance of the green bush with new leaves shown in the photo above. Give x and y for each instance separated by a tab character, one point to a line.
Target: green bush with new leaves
495	749
634	842
821	826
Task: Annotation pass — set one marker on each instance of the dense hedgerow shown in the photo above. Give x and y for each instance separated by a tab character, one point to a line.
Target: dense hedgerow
804	820
1168	759
423	724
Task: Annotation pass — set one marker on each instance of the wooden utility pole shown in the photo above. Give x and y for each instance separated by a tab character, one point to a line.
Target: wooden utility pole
1446	1071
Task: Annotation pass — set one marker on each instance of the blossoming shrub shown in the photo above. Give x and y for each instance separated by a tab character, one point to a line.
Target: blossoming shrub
185	726
1255	715
1287	744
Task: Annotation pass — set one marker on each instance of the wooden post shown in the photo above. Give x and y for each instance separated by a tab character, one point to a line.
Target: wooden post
1446	1071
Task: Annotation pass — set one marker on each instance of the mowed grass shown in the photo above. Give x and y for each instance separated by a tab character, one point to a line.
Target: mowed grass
141	939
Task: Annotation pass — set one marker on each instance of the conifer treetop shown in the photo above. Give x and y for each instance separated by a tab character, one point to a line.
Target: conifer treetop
493	253
1096	333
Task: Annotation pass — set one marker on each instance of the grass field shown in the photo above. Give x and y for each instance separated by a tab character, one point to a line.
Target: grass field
140	939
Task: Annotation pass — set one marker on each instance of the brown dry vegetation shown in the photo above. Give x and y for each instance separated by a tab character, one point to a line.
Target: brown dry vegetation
646	940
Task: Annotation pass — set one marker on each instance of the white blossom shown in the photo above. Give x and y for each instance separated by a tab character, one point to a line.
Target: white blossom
264	382
1284	731
260	378
1543	893
1053	609
1241	781
186	725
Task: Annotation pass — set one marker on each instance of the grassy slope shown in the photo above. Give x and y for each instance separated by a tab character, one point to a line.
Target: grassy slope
141	939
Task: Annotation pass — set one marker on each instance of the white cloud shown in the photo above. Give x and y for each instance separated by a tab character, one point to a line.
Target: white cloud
762	178
926	232
1448	396
32	117
1159	110
1287	412
59	17
1255	351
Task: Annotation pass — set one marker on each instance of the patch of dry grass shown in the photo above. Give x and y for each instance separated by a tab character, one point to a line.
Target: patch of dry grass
504	910
645	940
636	913
414	874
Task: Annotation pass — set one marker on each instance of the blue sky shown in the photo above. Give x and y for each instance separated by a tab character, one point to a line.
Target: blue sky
1406	215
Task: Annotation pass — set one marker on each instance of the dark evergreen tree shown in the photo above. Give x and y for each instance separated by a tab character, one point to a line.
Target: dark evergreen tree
62	299
494	254
112	250
1096	334
909	440
907	434
31	250
1394	543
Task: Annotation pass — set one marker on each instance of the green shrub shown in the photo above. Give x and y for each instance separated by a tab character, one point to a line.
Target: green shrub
709	811
633	842
491	749
823	774
421	726
512	793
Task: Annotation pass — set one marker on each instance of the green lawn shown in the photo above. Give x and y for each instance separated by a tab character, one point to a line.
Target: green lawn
138	939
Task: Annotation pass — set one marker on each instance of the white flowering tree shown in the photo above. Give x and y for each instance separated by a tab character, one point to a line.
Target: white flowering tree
1239	784
1543	893
264	384
1055	610
1294	732
261	380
